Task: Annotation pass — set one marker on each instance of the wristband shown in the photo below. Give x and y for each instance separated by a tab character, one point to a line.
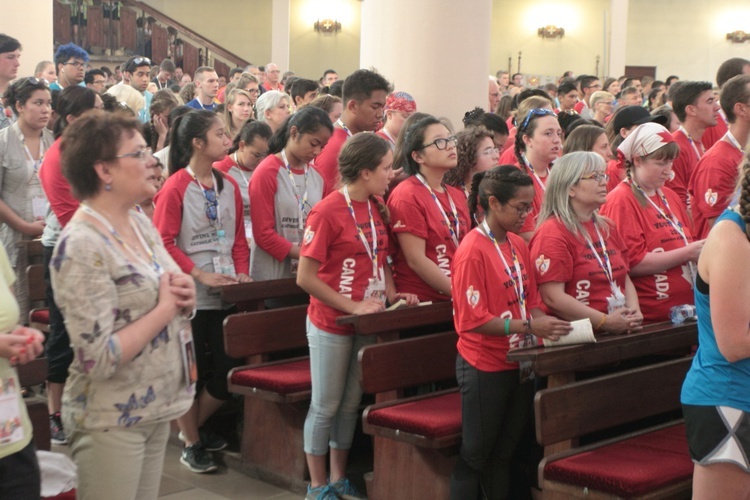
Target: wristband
507	327
527	326
601	323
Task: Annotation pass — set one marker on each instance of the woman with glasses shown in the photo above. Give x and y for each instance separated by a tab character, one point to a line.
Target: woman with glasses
250	147
428	217
476	153
284	188
602	105
126	306
238	109
346	231
23	204
580	260
538	144
497	308
273	108
199	216
653	223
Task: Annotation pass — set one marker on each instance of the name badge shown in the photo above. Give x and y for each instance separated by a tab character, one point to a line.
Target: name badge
189	366
11	425
375	290
39	207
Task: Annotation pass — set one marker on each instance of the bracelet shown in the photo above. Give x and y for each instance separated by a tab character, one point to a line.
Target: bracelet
507	327
527	326
601	323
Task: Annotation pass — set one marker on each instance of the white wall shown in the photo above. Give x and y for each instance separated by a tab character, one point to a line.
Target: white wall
30	22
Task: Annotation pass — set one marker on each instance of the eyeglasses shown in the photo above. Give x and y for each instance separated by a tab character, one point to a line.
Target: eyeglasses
595	86
253	91
490	152
521	210
536	112
260	156
75	64
441	143
596	176
143	154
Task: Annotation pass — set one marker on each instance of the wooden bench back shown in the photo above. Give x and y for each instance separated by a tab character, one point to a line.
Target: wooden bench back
407	363
401	319
37	286
260	332
581	408
251	296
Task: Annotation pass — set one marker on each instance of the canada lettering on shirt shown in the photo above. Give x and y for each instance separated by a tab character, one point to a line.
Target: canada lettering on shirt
331	238
560	256
477	270
413	211
713	184
644	230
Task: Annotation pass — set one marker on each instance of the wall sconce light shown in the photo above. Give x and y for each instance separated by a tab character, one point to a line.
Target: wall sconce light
738	36
551	31
327	26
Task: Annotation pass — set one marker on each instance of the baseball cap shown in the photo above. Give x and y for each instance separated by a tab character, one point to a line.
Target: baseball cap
636	115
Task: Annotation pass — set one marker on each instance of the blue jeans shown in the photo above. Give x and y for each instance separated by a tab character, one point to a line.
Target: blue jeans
336	392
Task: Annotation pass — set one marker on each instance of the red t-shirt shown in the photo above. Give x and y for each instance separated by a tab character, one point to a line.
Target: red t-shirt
713	184
267	86
56	186
413	211
644	230
530	223
332	239
483	291
713	134
561	256
616	172
508	157
327	162
683	166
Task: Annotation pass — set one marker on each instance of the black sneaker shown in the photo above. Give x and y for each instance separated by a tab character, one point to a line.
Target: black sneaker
57	434
197	459
210	440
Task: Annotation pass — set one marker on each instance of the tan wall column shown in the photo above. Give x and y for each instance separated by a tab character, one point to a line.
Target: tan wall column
280	35
32	26
618	36
436	50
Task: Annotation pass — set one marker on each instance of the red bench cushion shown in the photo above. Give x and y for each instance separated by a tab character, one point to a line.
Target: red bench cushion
631	467
40	316
432	417
284	378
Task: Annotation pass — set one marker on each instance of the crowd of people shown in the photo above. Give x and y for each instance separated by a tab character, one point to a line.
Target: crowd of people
152	189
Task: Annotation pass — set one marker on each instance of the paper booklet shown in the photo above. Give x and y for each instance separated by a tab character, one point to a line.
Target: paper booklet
582	333
401	304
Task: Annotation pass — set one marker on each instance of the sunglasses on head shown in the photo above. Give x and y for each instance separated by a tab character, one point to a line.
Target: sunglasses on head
536	112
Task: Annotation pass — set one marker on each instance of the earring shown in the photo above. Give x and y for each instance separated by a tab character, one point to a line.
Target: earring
108	187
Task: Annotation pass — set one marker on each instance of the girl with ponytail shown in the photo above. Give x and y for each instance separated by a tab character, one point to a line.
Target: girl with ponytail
198	210
343	267
283	190
716	392
496	308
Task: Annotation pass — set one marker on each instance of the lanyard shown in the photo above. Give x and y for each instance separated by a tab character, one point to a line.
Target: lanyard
214	202
454	231
372	253
346	129
518	280
692	142
152	257
36	163
533	172
673	221
733	141
242	172
608	267
301	201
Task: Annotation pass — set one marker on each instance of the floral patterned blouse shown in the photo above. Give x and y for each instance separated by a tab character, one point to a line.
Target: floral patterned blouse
99	291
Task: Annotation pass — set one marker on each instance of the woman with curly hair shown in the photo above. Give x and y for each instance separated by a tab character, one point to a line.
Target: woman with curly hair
476	153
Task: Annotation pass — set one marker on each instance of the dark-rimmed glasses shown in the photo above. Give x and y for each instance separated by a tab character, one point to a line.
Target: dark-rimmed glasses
441	143
521	210
536	112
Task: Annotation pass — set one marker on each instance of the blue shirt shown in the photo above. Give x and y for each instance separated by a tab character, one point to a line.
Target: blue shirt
712	379
196	104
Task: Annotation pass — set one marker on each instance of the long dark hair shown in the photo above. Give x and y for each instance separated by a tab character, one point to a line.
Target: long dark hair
501	182
413	141
192	125
308	120
72	102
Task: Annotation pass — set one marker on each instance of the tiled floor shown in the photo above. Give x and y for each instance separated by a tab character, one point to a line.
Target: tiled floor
178	483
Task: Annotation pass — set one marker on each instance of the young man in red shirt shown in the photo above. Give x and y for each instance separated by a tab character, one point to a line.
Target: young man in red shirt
696	108
568	97
273	78
714	180
589	85
364	96
728	69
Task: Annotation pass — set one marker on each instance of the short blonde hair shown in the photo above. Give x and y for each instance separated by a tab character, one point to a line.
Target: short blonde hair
599	96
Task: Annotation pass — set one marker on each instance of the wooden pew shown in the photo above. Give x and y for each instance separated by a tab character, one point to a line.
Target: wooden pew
29	375
252	296
653	463
560	364
415	439
276	394
388	325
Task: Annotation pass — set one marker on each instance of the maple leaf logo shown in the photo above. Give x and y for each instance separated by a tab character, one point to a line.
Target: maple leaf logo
666	136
